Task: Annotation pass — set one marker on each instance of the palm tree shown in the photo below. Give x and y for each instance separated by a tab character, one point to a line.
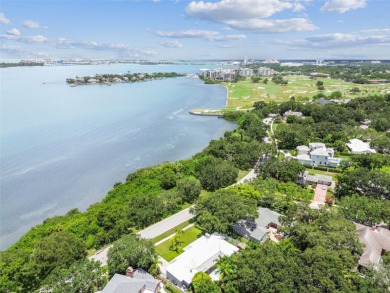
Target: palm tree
226	267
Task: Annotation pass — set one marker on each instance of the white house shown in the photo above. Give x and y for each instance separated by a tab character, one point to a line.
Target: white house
199	256
356	146
317	154
303	150
292	113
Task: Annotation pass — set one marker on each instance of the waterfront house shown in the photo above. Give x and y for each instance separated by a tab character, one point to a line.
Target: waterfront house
92	80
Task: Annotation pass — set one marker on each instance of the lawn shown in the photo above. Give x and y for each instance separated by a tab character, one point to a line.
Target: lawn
243	94
170	232
189	236
320	172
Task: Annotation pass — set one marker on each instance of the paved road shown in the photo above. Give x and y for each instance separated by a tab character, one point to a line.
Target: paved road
248	177
101	256
151	232
166	224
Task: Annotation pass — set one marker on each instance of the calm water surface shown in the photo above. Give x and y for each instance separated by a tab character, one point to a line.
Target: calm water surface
64	147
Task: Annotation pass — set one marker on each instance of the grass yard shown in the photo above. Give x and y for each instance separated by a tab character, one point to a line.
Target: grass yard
320	172
170	232
189	236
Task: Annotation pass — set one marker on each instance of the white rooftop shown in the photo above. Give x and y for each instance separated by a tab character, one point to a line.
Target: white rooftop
303	148
304	157
359	147
320	152
199	256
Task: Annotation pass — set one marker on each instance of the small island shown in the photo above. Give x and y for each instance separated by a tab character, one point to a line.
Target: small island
115	78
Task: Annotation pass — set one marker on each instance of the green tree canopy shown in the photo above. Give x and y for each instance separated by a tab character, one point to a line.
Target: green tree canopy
371	183
60	249
81	277
215	212
202	283
189	189
365	210
131	250
215	173
286	170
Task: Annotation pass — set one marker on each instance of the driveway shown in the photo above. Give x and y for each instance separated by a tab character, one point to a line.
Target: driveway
320	193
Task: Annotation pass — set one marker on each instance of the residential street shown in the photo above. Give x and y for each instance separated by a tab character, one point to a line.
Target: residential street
166	224
151	232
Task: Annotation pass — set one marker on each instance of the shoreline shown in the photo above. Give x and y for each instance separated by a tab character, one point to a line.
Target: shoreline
220	96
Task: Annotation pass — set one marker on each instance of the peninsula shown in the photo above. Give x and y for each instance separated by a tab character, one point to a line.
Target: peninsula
115	78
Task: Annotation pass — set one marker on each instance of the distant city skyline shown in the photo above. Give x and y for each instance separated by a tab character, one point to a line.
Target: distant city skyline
179	29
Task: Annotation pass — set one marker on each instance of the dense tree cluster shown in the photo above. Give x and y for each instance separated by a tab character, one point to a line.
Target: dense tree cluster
202	282
131	250
215	213
286	170
334	124
81	277
355	72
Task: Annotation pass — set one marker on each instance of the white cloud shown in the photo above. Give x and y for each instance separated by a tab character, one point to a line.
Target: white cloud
13	32
32	24
377	31
342	6
3	19
273	25
171	44
237	9
252	15
123	50
203	34
338	40
34	39
62	43
24	39
22	52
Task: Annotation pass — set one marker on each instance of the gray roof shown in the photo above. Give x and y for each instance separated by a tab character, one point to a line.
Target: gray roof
375	240
123	284
257	229
303	148
324	178
319	152
317	177
316	145
304	157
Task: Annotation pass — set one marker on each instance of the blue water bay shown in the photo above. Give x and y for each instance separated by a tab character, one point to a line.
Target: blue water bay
64	147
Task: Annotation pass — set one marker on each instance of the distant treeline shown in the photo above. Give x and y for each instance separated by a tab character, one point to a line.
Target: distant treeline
4	65
359	73
112	78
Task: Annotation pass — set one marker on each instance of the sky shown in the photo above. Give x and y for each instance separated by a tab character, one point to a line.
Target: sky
194	30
